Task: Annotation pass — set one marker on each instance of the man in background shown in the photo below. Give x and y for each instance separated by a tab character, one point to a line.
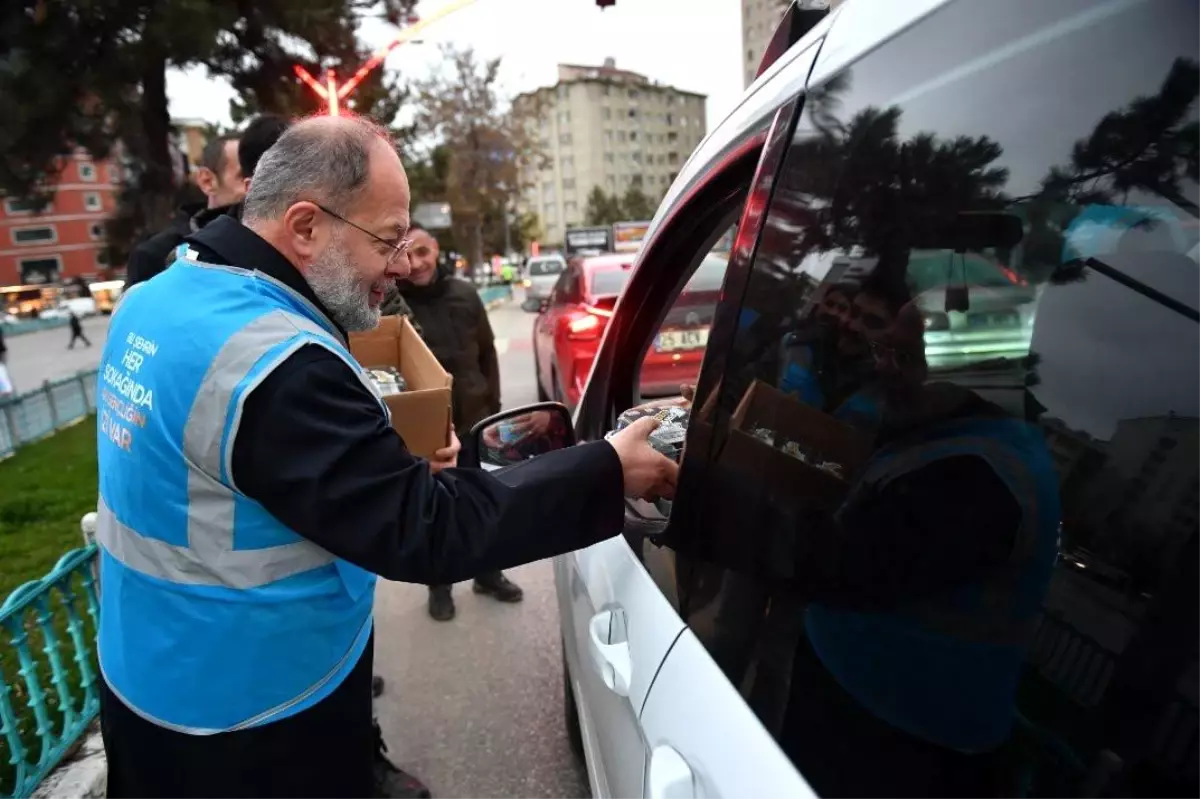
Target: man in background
257	138
224	194
76	331
454	323
219	176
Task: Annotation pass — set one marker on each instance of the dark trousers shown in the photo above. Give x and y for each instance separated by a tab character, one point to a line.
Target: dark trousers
77	335
327	750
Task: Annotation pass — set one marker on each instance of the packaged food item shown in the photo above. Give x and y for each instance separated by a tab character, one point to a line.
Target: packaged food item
673	416
388	380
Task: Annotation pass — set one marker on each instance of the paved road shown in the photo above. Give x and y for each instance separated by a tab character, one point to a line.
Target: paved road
474	706
35	357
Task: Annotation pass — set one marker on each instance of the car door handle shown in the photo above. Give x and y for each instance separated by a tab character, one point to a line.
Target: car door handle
611	660
670	776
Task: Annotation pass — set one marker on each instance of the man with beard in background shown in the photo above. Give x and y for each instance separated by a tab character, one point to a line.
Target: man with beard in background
454	323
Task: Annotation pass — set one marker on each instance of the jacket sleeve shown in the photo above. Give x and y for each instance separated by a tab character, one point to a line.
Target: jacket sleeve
489	363
315	450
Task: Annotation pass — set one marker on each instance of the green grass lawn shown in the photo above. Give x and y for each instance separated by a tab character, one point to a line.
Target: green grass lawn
44	489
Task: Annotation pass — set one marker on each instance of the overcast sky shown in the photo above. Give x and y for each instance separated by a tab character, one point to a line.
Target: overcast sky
534	36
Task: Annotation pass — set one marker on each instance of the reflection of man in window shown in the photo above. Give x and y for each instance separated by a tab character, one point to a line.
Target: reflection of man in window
922	590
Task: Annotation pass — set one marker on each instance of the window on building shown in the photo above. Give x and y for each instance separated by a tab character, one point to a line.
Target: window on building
683	122
14	206
568	184
570	209
87	171
633	94
92	201
114	174
102	258
40	270
606	90
608	137
670	119
96	231
633	112
633	136
622	136
608	113
35	235
564	118
672	136
672	157
564	139
567	163
608	158
549	211
611	182
637	158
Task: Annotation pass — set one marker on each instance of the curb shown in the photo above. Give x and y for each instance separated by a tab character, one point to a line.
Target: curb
83	775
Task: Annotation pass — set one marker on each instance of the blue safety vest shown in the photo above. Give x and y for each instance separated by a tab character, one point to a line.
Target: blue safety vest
214	615
946	669
862	409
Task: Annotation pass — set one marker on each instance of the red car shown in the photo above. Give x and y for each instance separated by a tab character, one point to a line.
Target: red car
572	322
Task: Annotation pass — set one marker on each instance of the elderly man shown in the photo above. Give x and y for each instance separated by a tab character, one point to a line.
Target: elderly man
251	488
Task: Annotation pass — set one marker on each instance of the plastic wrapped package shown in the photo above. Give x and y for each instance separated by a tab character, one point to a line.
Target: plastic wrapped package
673	416
388	380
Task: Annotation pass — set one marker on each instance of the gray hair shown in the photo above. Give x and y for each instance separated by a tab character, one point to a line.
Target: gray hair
321	159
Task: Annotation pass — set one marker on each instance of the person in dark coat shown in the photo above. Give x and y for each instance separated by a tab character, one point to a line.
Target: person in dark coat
76	331
455	325
219	176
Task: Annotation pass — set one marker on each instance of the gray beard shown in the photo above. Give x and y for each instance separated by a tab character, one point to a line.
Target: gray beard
338	286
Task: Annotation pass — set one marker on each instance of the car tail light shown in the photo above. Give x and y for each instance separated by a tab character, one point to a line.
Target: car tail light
585	326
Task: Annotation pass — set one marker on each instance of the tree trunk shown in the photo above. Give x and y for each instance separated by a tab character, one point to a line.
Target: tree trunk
158	180
477	240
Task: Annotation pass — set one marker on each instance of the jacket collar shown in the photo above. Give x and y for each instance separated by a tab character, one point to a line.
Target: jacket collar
234	244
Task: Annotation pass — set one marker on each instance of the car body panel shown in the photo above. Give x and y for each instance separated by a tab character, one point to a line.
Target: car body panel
674	718
607	577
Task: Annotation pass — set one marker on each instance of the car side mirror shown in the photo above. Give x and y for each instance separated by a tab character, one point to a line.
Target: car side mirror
514	436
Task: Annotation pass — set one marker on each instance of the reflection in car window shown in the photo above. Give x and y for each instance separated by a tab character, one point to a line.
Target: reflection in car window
945	536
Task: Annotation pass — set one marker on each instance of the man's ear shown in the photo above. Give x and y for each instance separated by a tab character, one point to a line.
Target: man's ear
206	179
300	226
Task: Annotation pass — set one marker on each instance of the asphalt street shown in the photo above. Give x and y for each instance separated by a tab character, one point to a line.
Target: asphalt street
472	706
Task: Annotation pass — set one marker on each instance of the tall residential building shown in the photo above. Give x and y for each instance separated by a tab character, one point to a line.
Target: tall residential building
65	239
607	127
759	20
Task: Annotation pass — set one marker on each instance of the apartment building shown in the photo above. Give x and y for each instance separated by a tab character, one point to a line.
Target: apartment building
607	127
759	20
65	239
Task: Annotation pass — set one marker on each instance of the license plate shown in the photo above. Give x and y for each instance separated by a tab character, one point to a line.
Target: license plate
674	340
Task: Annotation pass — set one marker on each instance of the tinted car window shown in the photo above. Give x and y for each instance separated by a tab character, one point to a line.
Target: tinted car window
943	531
609	282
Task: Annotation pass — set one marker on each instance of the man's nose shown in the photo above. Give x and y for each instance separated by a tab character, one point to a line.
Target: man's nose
401	267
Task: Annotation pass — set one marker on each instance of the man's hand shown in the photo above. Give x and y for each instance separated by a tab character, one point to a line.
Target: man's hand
447	457
646	472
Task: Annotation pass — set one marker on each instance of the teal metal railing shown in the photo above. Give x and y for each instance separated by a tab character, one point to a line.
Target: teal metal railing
35	414
48	671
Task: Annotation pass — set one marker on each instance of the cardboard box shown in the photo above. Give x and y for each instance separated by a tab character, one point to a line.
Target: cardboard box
421	415
820	434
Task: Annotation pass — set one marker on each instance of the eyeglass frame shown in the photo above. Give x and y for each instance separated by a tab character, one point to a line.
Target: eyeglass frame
397	249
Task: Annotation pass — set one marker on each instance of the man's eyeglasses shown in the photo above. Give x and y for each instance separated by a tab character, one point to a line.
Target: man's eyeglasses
397	250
